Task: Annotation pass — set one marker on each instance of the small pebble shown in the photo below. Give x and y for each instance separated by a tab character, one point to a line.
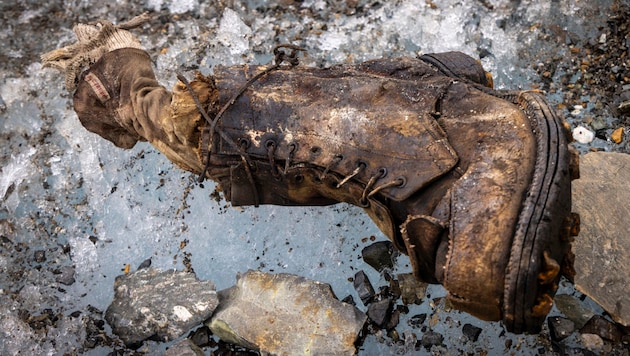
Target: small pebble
583	135
560	328
472	332
39	256
417	320
412	290
379	255
431	338
145	264
201	337
66	275
363	287
617	135
577	109
380	311
605	329
592	342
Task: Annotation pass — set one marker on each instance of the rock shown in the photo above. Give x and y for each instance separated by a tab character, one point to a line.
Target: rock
583	135
65	275
592	342
201	337
380	311
573	309
184	348
431	338
379	255
560	328
412	291
574	351
417	320
605	329
472	332
349	299
145	264
164	305
617	135
394	319
363	287
285	314
39	256
601	197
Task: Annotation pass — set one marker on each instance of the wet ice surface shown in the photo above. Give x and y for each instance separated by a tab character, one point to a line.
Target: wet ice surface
97	208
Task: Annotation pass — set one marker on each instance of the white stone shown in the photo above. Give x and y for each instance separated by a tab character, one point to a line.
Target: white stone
583	135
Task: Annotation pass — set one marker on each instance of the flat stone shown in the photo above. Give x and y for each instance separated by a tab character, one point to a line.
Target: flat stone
601	197
163	305
285	314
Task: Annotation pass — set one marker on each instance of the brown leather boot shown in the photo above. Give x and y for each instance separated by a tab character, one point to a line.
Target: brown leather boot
473	184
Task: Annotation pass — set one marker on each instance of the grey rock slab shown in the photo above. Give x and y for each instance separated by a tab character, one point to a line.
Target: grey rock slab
284	314
601	196
161	304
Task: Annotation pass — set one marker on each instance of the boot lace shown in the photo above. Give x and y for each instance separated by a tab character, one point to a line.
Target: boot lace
280	56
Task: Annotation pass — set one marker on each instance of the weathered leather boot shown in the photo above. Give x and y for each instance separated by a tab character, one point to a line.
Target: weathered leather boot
473	184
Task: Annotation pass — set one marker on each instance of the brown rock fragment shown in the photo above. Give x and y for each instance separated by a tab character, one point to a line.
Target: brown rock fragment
617	135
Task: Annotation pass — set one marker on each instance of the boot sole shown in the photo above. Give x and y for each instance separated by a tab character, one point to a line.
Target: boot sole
539	244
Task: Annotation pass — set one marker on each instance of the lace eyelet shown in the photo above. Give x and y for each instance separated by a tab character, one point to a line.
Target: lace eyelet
244	143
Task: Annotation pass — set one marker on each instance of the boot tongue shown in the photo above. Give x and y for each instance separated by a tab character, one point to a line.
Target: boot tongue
459	65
